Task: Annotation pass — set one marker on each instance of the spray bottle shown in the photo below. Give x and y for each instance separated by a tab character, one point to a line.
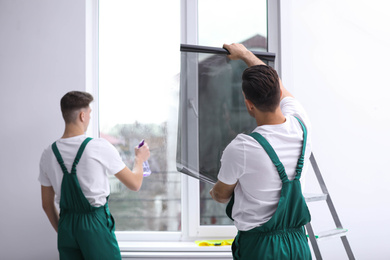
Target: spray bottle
145	164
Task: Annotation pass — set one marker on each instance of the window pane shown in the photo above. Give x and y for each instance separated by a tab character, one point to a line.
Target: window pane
221	89
139	66
229	21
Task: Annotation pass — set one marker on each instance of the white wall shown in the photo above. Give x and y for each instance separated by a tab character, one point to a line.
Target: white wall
42	56
335	57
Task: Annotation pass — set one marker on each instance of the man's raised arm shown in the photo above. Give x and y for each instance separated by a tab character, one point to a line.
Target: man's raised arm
240	52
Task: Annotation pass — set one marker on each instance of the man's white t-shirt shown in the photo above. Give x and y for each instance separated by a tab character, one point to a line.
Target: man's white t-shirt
245	162
99	160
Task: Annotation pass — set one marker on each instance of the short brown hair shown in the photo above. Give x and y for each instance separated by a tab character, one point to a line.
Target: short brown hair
260	85
73	101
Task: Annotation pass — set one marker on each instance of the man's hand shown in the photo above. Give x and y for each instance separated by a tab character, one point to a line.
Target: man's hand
142	153
132	179
239	52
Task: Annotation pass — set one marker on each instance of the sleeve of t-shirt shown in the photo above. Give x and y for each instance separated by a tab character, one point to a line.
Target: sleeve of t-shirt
291	106
110	157
43	178
232	162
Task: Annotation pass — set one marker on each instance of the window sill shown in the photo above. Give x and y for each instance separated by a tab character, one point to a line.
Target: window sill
169	247
172	250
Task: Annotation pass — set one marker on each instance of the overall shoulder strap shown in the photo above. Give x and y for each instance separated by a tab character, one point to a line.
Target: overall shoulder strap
79	153
59	158
272	155
302	157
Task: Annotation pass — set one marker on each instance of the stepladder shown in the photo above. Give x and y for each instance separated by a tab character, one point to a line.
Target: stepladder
339	231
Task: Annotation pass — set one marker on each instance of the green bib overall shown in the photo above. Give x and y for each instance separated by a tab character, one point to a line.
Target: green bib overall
84	231
283	236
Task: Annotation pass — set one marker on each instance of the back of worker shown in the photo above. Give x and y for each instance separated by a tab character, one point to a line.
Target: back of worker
260	174
100	160
258	190
74	173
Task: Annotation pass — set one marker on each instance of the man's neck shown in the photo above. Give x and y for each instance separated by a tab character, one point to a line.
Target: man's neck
270	118
72	130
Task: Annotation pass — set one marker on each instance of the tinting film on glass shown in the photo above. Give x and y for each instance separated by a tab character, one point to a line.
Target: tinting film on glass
212	109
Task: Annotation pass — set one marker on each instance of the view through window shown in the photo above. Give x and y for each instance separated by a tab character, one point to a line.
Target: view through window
139	64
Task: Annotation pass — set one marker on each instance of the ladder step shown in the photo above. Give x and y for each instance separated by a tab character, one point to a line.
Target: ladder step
310	197
338	232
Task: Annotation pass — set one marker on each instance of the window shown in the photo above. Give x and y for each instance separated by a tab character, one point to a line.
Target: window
212	113
139	76
138	89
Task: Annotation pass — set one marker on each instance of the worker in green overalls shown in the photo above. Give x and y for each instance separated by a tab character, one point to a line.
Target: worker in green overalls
74	172
261	173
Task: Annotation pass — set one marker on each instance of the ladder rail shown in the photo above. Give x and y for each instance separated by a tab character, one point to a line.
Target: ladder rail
347	247
333	212
313	241
325	191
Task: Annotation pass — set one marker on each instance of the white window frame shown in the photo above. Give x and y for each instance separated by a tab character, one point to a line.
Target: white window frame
92	62
191	228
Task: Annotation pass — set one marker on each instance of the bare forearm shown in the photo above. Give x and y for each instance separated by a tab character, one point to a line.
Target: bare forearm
285	92
251	60
238	51
132	179
222	192
53	216
137	167
48	205
138	170
217	197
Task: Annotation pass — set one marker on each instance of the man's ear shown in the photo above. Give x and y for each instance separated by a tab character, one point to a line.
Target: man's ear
82	116
249	104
